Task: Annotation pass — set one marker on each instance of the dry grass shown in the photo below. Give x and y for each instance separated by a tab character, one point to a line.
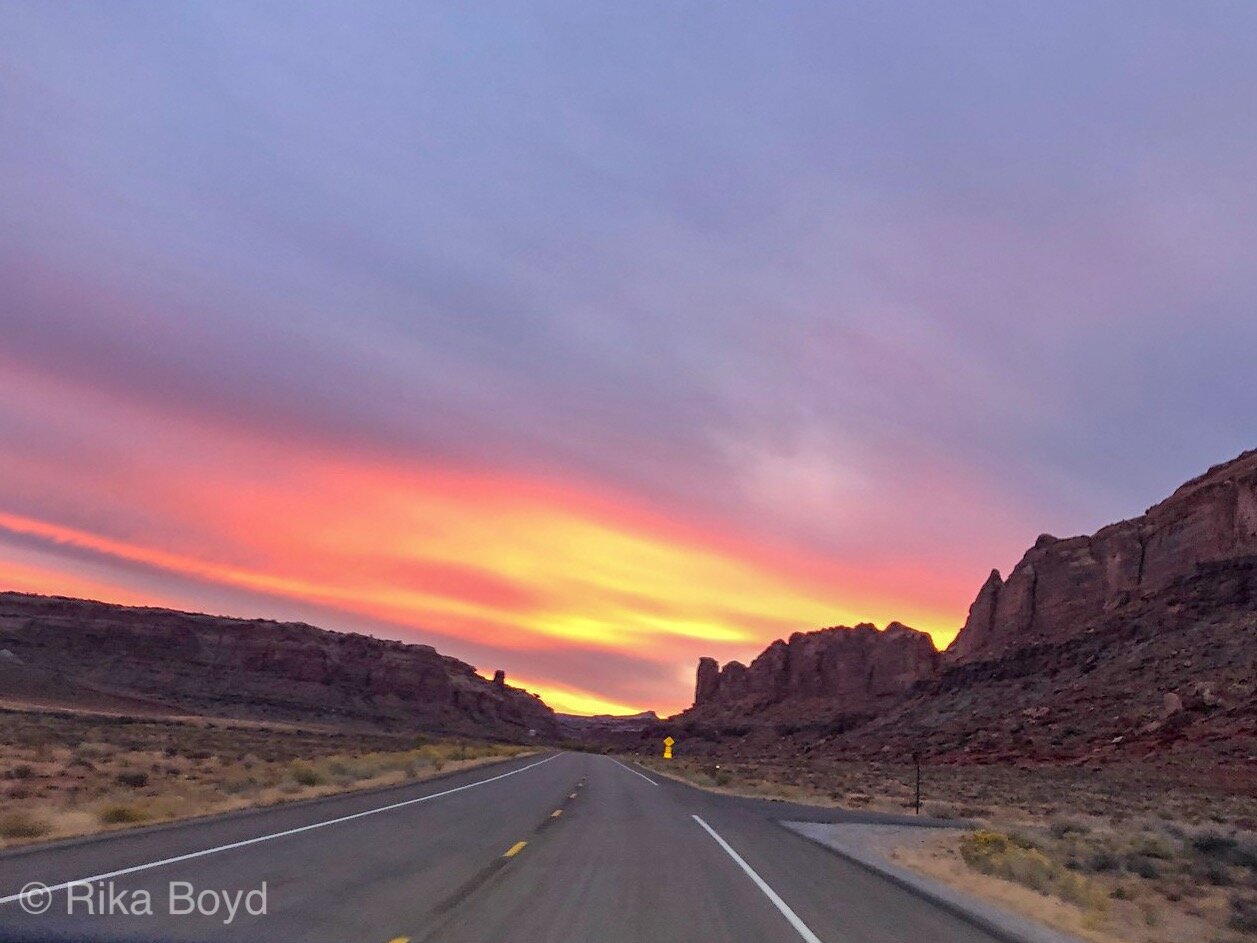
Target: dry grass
65	774
1149	881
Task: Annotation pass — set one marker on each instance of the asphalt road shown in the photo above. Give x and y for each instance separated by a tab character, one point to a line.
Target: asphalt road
559	848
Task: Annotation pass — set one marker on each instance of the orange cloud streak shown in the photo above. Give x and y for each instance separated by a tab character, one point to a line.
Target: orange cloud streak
515	562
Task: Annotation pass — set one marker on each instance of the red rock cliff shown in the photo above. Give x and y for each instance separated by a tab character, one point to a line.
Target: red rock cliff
1060	586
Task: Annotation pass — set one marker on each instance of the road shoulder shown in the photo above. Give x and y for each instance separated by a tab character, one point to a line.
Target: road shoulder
870	847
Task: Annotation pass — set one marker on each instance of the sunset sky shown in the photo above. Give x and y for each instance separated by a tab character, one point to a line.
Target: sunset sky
581	340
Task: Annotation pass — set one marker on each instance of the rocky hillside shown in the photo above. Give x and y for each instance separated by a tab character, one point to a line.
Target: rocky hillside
78	653
1138	642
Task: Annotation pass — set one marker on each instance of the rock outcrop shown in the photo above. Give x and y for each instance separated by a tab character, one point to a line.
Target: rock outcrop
260	669
841	669
1062	585
1138	643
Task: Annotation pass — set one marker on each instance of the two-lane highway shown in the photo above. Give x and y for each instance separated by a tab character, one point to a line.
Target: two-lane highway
561	848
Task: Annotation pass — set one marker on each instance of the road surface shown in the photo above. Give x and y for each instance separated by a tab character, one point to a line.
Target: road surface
551	848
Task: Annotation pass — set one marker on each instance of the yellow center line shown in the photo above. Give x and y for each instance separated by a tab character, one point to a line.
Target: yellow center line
572	796
515	849
400	939
556	813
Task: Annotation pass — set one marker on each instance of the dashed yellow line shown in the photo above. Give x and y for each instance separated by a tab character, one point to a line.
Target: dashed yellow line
400	939
556	813
572	796
515	849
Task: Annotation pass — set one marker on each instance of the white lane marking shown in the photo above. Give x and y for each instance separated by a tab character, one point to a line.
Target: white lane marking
633	771
780	904
291	831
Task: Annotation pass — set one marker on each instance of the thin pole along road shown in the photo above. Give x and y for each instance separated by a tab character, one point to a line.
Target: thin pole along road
551	848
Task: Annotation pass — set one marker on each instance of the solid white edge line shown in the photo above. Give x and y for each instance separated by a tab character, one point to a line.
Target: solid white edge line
780	904
261	838
631	770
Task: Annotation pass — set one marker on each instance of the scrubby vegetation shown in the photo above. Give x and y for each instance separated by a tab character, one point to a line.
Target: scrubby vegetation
19	824
1132	879
67	774
1018	858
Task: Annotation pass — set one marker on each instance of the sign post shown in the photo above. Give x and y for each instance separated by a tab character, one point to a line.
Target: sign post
667	747
916	761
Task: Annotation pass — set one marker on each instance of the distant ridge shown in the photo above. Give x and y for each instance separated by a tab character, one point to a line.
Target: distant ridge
94	655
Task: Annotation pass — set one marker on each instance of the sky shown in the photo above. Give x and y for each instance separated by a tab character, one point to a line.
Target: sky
582	340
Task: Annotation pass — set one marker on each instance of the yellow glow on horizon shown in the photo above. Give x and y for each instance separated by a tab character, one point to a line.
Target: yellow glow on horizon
567	700
521	565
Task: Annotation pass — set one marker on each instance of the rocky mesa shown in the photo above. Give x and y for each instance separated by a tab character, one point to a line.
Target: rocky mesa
1137	642
837	670
80	653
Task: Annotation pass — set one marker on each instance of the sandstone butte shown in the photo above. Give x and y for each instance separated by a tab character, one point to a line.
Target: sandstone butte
1141	637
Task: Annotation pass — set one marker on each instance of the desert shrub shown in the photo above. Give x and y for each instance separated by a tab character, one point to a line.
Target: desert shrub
305	774
1100	861
722	777
133	778
1235	849
1210	871
19	824
1016	858
1143	866
998	855
1025	840
1243	914
1245	852
1150	845
1060	828
121	815
25	771
1214	844
1077	890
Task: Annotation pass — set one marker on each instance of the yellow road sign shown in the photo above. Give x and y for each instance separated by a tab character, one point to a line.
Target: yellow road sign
667	747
